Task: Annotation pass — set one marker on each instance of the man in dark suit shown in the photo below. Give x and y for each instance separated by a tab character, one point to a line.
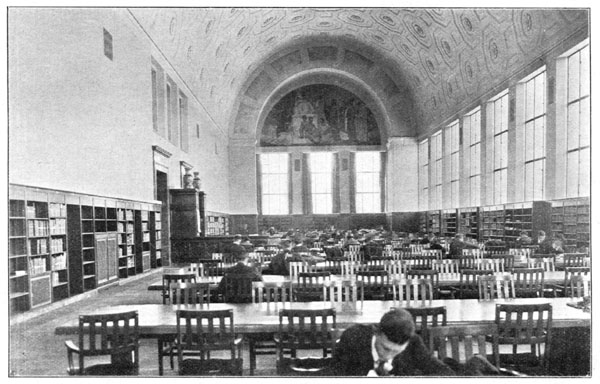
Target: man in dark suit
236	248
280	264
457	245
390	349
240	269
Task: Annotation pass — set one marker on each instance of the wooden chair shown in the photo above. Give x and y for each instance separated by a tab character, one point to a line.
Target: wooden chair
495	265
169	279
462	343
396	269
353	256
493	287
273	294
412	292
420	262
546	262
430	274
238	288
468	287
200	332
427	318
579	286
525	324
190	293
343	292
197	269
181	294
529	282
520	254
473	252
576	260
373	284
562	289
447	269
297	267
302	331
310	286
506	260
115	335
432	252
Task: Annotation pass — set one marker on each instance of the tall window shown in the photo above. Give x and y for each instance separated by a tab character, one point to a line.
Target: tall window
578	122
183	125
472	139
154	100
497	118
368	182
424	175
452	155
321	167
436	174
535	135
274	183
169	113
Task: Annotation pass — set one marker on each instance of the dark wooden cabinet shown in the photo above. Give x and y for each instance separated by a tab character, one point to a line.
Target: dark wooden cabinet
187	213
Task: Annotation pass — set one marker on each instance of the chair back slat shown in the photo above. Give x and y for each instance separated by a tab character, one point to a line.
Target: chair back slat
461	343
190	293
493	287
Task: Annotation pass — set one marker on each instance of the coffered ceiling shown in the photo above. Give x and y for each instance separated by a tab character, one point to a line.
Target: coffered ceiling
440	60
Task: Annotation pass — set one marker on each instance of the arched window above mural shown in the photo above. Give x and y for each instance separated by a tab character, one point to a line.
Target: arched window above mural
320	114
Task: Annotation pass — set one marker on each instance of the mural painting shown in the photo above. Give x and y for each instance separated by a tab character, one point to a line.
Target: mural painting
320	115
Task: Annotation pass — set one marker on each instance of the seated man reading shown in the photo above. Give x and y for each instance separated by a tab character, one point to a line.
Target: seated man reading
390	349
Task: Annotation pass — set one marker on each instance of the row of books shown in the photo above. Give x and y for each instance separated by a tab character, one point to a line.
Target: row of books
37	227
37	265
125	215
59	262
121	227
57	245
56	279
57	210
38	246
32	211
128	250
58	226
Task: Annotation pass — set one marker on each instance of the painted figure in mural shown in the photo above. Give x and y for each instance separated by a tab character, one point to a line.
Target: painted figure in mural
360	121
312	133
303	127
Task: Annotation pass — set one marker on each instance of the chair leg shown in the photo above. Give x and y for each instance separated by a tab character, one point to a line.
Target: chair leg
160	356
252	353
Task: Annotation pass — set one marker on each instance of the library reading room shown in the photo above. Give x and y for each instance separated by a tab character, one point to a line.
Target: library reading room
238	192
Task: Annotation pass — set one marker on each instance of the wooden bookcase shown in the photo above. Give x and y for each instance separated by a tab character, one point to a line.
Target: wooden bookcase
217	224
449	222
571	220
492	222
63	244
125	239
468	222
142	239
434	222
155	238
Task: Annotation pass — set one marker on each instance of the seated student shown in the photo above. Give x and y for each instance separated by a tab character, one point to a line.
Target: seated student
236	248
240	269
457	245
332	250
280	263
247	244
547	246
435	244
373	248
390	349
523	239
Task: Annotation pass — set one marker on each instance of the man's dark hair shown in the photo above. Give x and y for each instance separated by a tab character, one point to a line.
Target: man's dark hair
397	325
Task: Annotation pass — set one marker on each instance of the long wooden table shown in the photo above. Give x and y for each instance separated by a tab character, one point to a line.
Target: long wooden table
159	322
550	278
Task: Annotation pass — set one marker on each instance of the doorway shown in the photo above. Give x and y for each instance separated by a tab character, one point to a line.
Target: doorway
162	194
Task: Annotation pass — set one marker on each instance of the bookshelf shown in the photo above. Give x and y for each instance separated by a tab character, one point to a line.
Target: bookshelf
434	222
18	270
57	214
125	239
155	237
468	222
142	239
492	223
217	224
571	220
63	244
449	222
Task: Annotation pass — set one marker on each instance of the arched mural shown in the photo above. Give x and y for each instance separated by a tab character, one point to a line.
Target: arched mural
320	114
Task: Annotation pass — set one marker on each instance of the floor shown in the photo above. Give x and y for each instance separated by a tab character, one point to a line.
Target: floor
36	351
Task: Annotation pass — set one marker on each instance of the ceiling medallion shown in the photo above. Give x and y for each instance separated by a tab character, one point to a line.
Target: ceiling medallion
324	24
493	50
172	25
467	24
447	47
417	28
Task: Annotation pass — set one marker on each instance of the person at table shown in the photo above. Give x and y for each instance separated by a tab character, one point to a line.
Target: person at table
333	251
300	246
350	241
392	348
457	245
236	248
247	244
523	240
435	245
280	263
373	248
548	246
240	269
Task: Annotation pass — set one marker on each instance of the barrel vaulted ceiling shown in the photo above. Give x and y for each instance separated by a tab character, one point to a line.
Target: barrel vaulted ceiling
436	61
